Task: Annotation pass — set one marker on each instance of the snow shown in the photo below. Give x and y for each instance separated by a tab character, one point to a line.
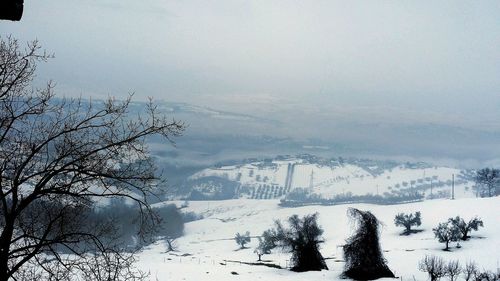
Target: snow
203	251
330	180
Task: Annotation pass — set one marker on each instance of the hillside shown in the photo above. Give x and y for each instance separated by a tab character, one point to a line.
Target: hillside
274	178
204	250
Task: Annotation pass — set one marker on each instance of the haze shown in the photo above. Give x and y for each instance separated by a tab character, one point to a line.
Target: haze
326	69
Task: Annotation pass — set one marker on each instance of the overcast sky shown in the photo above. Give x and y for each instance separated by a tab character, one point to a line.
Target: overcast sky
437	61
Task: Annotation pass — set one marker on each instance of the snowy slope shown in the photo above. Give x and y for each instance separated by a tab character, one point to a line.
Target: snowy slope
207	244
273	179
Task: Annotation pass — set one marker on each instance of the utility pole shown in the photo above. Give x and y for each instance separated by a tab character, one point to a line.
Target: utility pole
311	181
432	196
452	186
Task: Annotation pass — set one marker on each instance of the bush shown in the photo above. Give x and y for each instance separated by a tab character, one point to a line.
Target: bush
407	221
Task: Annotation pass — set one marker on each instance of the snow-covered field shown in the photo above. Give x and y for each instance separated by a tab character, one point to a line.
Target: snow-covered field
208	252
332	179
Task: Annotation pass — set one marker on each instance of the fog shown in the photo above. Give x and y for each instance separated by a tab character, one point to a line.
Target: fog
402	79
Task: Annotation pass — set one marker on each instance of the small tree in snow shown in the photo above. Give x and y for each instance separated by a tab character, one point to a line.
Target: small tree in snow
446	232
434	266
242	239
466	228
407	221
266	244
452	270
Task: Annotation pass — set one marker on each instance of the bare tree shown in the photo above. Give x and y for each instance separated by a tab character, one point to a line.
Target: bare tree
453	269
57	157
470	270
434	266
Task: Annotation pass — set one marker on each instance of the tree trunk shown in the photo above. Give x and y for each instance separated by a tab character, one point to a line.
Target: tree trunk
5	240
465	236
170	247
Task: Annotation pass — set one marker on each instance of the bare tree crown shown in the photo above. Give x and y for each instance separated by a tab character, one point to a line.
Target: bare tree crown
64	151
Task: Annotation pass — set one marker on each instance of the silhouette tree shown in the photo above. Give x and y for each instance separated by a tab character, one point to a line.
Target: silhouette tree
362	253
57	158
407	221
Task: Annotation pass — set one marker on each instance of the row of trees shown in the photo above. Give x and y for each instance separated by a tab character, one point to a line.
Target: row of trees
437	268
453	230
302	197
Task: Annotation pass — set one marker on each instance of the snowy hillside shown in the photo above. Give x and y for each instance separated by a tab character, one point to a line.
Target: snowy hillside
275	178
208	252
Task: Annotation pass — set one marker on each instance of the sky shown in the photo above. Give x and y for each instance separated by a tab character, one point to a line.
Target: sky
300	62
